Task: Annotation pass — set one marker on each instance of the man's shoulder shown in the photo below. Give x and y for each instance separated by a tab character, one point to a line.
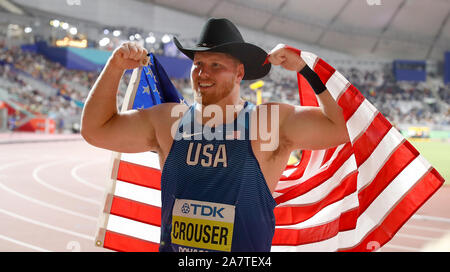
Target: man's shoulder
274	105
165	110
279	107
165	114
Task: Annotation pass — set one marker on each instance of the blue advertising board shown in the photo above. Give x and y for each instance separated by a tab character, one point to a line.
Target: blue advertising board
410	70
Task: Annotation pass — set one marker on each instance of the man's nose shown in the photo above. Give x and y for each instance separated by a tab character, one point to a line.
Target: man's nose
203	72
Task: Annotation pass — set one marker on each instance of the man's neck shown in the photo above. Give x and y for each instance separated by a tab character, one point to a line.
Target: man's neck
229	106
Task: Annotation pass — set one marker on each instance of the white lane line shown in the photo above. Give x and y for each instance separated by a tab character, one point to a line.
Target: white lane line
46	204
414	249
45	225
36	201
61	191
12	164
83	181
10	158
14	241
431	218
426	228
417	237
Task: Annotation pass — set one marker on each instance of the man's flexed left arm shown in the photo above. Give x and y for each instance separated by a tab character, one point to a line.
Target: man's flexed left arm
309	127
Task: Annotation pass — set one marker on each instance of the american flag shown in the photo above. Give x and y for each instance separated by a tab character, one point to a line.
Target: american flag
131	218
353	197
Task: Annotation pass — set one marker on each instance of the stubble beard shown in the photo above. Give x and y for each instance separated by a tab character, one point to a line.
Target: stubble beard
212	97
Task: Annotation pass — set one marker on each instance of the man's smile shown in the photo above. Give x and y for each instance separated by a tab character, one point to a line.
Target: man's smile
205	85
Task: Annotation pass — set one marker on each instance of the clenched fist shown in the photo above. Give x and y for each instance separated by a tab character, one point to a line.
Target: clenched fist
287	58
129	56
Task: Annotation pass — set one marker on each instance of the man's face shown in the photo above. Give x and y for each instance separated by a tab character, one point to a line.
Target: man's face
215	75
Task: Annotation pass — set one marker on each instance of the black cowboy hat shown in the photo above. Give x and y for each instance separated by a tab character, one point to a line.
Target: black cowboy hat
221	35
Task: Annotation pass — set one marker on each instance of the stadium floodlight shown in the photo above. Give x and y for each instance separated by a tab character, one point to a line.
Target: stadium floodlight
73	30
116	33
106	31
55	23
64	26
27	29
165	38
103	42
150	39
131	37
137	36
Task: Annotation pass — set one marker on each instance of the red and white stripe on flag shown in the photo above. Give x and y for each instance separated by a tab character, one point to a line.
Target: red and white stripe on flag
133	211
353	197
356	196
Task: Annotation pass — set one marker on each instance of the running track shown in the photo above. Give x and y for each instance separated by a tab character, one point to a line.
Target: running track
51	193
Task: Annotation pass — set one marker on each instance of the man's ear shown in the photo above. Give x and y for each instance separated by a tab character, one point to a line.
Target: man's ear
240	71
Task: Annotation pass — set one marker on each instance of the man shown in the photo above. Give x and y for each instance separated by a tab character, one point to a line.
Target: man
216	191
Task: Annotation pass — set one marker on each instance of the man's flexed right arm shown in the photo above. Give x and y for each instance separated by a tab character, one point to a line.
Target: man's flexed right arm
101	123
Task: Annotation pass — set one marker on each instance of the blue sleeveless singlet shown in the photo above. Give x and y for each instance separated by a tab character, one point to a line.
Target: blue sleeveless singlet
214	195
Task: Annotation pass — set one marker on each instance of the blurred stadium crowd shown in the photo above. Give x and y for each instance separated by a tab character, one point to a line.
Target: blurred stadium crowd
46	87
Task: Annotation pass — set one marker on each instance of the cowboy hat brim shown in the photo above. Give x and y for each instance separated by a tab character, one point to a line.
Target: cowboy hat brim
250	55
